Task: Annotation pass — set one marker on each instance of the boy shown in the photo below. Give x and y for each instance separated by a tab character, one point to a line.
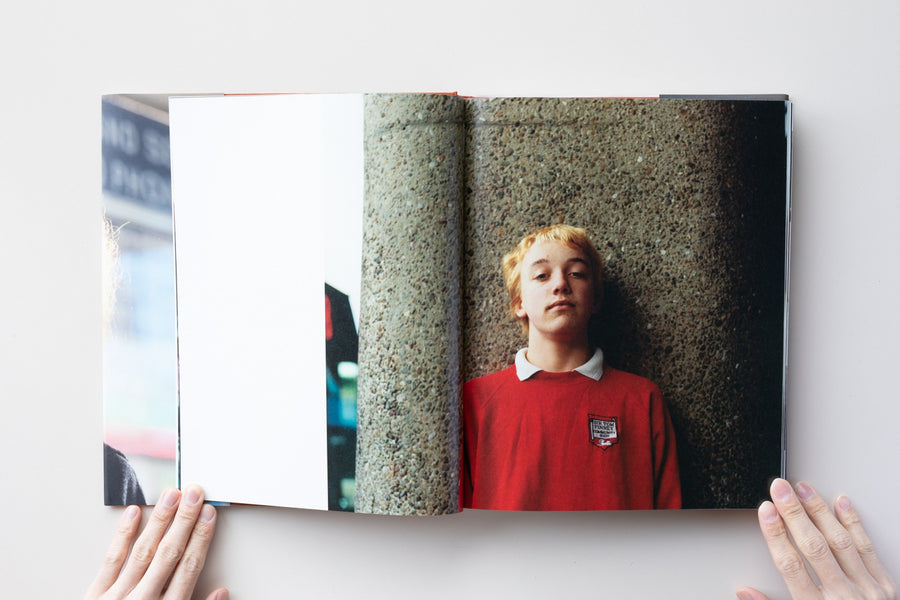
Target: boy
561	430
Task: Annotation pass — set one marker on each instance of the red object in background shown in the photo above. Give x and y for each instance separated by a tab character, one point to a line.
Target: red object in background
329	331
148	441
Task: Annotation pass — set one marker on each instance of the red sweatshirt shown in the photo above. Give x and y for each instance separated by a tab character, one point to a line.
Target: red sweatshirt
564	441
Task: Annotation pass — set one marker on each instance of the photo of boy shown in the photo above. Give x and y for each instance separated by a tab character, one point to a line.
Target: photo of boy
561	429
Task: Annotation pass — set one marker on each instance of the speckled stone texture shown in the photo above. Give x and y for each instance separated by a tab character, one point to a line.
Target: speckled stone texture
407	451
685	200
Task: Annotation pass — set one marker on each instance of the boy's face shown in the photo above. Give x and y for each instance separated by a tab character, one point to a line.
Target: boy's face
557	294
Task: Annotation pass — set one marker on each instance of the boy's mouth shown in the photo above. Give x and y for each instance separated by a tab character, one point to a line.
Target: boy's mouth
561	304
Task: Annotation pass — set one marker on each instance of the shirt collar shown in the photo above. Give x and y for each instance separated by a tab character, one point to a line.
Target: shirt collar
593	368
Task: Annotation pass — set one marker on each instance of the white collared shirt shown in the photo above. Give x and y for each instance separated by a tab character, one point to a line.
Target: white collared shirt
593	368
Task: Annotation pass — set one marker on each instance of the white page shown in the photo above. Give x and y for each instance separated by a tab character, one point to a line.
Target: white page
249	196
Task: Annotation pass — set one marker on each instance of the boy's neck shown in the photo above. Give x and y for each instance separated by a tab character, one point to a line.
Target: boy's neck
558	356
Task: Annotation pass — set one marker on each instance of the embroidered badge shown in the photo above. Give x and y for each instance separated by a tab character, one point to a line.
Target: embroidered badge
604	431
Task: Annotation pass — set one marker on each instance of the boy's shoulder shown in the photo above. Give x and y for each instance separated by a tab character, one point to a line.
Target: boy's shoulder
628	381
621	382
487	385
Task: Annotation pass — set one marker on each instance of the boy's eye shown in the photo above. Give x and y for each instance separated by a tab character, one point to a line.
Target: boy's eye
541	276
578	274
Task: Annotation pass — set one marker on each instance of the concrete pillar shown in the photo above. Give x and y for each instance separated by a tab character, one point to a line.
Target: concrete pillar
407	452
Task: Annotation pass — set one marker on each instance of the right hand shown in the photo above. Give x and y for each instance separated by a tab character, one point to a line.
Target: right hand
834	544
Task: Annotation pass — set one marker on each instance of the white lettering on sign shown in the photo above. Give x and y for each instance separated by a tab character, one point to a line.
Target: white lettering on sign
156	148
122	135
127	180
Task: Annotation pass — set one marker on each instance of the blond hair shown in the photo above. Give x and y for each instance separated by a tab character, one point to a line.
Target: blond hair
575	237
110	269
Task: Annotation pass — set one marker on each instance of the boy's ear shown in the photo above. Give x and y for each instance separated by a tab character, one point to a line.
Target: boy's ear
520	311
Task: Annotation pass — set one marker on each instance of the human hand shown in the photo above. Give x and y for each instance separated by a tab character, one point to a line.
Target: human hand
834	545
167	557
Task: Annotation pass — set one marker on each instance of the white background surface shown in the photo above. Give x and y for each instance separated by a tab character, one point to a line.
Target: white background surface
838	61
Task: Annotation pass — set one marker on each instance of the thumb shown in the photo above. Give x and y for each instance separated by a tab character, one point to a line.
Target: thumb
748	593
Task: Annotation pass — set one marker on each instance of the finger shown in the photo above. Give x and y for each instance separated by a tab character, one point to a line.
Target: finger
849	518
748	593
191	564
145	547
786	558
117	552
809	540
219	594
171	547
842	544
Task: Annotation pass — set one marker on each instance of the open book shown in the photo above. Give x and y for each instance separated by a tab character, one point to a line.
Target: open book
399	210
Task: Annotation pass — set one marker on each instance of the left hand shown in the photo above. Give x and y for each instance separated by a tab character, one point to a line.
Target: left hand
167	557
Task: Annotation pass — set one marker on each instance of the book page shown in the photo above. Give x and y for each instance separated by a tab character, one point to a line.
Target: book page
686	202
252	183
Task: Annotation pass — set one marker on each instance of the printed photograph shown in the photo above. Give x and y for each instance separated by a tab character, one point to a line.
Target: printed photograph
529	303
141	404
140	433
642	243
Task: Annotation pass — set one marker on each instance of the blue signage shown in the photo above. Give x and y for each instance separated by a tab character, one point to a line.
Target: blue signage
135	154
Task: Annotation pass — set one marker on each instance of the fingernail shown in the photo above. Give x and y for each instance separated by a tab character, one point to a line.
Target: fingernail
843	503
768	512
170	497
130	513
192	495
805	491
207	513
780	490
742	595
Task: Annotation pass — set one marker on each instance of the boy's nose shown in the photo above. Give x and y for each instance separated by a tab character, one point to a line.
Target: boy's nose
560	283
